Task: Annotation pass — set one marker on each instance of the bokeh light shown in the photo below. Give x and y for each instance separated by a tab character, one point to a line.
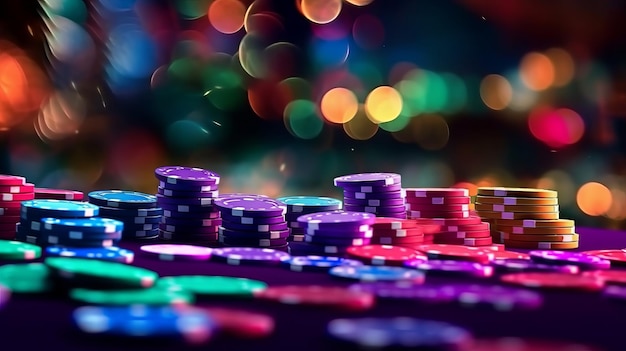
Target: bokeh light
227	16
537	71
594	199
560	181
359	2
496	92
321	11
556	127
339	105
431	131
302	119
383	104
564	66
360	127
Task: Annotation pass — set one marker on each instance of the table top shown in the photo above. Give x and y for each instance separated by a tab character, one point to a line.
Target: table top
36	322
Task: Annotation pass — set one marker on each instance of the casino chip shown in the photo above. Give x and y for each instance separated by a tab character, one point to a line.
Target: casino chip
518	344
5	294
316	263
414	291
141	321
241	323
569	258
376	273
315	295
398	333
15	250
456	252
37	209
186	176
543	280
377	193
96	273
616	257
206	285
122	199
173	252
112	253
248	255
150	296
58	194
509	265
499	297
449	267
12	180
26	278
383	255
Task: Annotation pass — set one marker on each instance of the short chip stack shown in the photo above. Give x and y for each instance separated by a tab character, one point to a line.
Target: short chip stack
302	205
186	195
447	208
58	194
377	193
138	211
332	233
66	223
526	218
399	232
13	190
253	221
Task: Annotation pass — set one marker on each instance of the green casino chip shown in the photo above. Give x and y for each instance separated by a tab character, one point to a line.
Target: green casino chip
213	285
17	250
150	296
80	271
26	278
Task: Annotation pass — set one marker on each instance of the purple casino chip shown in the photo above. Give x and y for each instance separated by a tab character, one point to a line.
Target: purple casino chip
188	229
304	248
338	220
368	179
510	265
569	258
405	289
192	222
321	240
171	252
499	297
346	233
375	209
250	207
188	238
188	187
614	292
186	175
275	234
374	202
248	255
255	227
373	191
191	201
251	242
450	267
386	195
231	195
199	215
184	194
252	220
185	208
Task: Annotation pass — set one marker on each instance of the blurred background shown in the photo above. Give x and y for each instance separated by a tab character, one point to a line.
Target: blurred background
281	96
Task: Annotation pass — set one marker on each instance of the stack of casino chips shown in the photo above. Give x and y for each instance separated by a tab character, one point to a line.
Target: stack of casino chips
186	195
302	205
377	193
58	194
253	221
331	233
138	211
400	232
13	190
447	208
66	223
526	218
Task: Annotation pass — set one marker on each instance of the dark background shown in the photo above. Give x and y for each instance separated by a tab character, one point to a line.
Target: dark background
73	118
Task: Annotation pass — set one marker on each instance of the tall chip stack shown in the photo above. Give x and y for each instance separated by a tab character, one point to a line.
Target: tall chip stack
138	211
331	233
302	205
377	193
253	221
526	218
13	190
186	195
447	208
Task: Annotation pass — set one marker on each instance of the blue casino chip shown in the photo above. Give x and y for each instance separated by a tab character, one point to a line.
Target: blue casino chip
122	199
82	225
124	213
310	204
37	209
377	273
399	333
317	263
113	253
142	321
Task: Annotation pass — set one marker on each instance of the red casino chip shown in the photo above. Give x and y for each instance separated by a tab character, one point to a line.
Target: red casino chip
543	280
437	214
519	344
449	221
318	296
383	255
388	223
439	200
399	233
58	194
392	240
14	189
457	252
610	276
482	226
432	192
448	207
464	241
503	255
464	234
241	323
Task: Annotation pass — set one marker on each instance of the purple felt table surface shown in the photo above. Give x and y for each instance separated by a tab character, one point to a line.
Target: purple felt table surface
44	322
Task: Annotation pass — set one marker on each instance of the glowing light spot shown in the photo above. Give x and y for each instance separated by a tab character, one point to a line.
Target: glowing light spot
383	104
564	66
496	92
302	120
431	132
227	16
321	11
339	105
536	71
398	124
330	52
594	199
260	97
359	2
473	188
192	9
251	55
360	127
618	205
556	128
560	181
